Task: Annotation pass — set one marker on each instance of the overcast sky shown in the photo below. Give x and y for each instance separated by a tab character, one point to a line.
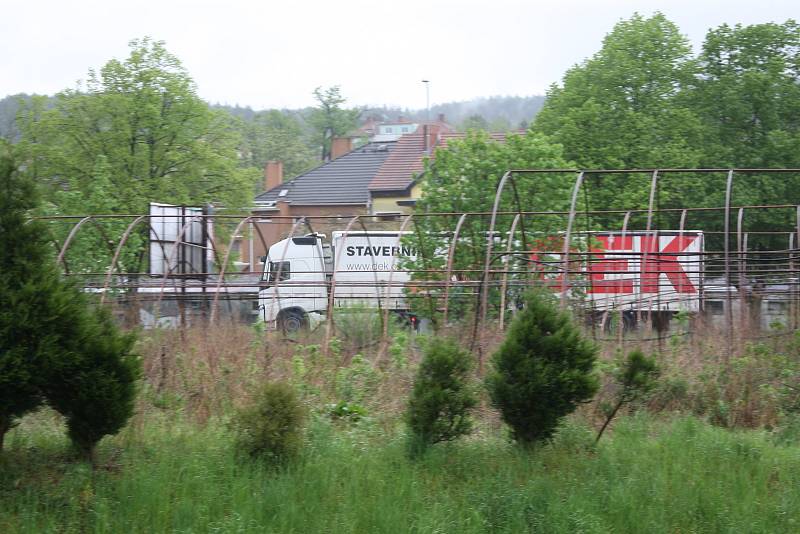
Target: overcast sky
267	54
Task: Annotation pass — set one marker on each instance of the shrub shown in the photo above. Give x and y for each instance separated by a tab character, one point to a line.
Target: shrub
442	397
541	372
98	389
55	347
635	378
271	428
346	411
26	277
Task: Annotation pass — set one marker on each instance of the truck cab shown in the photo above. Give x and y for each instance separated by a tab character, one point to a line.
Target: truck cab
294	282
299	272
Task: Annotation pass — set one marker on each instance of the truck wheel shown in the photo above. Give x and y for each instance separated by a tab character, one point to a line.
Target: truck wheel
292	321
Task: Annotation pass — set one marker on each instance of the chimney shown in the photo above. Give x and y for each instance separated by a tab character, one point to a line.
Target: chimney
441	117
431	134
273	174
425	138
340	146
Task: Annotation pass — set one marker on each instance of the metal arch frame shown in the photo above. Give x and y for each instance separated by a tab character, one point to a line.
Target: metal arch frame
74	232
741	248
389	286
330	326
643	261
625	221
118	251
178	242
681	230
70	237
568	235
224	264
728	293
490	239
449	272
427	268
331	290
504	284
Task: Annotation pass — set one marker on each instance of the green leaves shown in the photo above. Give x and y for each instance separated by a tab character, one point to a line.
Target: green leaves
749	94
541	372
464	178
622	108
329	118
440	403
156	139
277	135
55	347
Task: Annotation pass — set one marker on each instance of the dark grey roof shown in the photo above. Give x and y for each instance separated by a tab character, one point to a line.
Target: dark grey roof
344	180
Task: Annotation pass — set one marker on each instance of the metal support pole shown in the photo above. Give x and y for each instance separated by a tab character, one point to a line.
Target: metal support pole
568	237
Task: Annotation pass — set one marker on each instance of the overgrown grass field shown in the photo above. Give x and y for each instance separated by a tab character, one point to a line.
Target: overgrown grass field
678	475
672	464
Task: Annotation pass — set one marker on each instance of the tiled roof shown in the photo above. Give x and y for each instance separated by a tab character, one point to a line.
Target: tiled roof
404	164
344	180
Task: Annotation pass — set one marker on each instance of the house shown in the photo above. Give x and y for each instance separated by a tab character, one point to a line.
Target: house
396	187
381	178
332	193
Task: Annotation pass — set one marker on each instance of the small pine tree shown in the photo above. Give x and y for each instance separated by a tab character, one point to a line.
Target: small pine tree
635	378
442	397
55	346
541	372
98	389
271	428
28	297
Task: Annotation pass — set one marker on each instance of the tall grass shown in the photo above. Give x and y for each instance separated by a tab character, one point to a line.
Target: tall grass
682	475
682	463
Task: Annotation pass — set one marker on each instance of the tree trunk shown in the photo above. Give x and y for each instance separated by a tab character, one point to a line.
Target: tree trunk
5	426
608	420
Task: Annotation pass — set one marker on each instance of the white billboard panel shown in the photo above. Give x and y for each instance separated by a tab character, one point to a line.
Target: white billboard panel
166	223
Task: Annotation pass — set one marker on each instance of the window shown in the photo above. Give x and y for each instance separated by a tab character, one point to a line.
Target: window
388	215
279	270
283	193
405	129
778	307
388	129
715	307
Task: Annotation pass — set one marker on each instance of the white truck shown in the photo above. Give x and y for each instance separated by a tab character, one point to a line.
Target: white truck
299	272
659	273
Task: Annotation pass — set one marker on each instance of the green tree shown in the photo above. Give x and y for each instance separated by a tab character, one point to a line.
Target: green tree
95	389
635	377
28	287
474	122
160	140
541	372
442	397
626	108
329	119
55	346
140	123
277	135
271	427
464	178
749	100
749	95
622	108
